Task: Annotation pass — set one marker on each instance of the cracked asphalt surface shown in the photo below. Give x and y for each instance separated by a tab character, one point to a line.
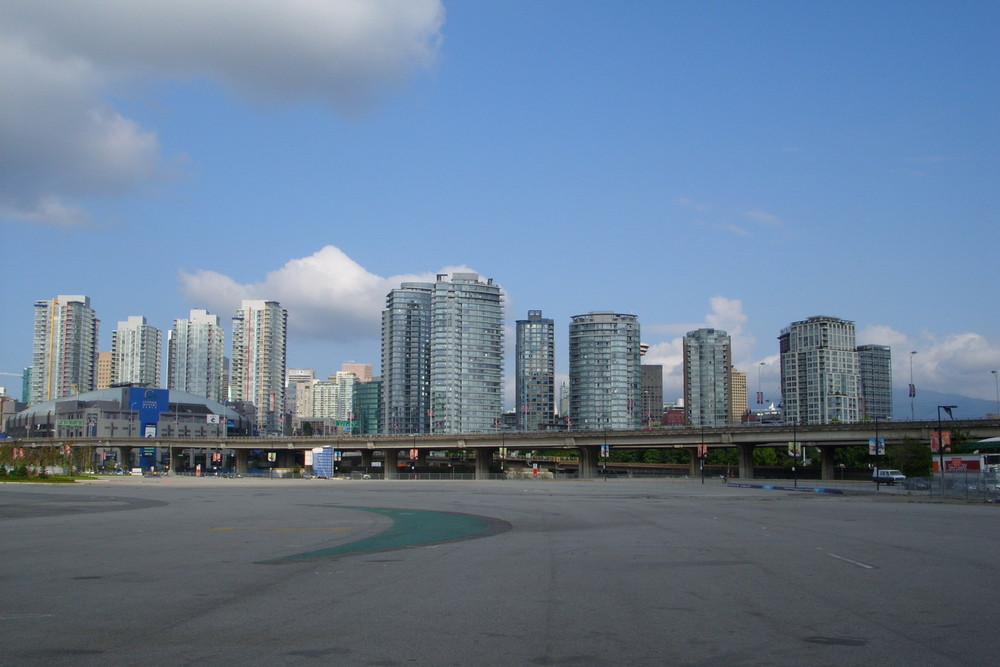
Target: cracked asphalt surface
648	572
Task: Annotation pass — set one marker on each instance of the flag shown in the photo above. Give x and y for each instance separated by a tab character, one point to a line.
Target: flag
913	391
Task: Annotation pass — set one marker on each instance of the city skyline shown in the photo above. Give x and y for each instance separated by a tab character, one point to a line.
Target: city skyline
510	357
726	166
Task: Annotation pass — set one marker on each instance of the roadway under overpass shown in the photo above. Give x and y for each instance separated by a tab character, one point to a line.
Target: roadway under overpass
587	444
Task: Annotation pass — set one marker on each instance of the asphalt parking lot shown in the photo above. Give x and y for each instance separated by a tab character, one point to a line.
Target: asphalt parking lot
219	571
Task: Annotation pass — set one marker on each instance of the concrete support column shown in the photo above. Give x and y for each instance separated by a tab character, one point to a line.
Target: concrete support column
125	461
242	461
175	459
484	457
746	461
695	469
366	460
390	462
589	460
826	467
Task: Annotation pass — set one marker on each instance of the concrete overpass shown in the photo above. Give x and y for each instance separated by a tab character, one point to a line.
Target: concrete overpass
587	444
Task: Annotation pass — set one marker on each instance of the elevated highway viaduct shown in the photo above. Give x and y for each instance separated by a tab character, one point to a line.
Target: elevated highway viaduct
588	444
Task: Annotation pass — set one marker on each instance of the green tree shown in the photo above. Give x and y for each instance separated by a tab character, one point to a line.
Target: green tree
723	456
851	457
961	441
765	456
912	458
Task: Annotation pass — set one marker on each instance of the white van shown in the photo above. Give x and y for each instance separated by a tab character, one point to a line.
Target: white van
887	476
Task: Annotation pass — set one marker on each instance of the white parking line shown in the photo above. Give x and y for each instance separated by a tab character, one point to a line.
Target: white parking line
852	562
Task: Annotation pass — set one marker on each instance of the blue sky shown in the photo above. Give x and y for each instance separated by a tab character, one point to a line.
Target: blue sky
728	164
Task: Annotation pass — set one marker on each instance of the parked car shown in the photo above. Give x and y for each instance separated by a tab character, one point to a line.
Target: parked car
887	476
916	483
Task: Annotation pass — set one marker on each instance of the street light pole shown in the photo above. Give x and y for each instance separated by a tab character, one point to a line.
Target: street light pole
760	392
940	439
913	389
795	451
996	380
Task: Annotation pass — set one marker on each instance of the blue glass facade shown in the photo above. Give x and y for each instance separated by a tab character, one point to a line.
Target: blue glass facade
466	355
535	374
406	340
605	376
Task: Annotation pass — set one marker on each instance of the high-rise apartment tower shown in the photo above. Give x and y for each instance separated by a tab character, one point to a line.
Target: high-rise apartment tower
442	356
466	354
406	359
196	361
605	377
707	382
875	369
819	372
652	394
136	350
64	348
535	372
258	361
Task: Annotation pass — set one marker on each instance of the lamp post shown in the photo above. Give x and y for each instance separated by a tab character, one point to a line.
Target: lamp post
876	452
913	389
701	453
760	392
996	380
940	438
795	452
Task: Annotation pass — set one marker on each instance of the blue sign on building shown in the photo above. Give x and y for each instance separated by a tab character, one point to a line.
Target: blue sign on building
149	403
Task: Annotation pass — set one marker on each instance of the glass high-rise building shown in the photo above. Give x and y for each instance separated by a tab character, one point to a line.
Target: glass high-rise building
258	361
652	394
368	406
442	356
466	355
820	381
64	348
136	350
406	360
875	369
333	398
196	351
535	372
605	376
707	382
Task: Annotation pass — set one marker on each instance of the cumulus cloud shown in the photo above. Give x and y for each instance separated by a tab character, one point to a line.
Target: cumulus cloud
955	363
724	314
62	141
58	139
328	295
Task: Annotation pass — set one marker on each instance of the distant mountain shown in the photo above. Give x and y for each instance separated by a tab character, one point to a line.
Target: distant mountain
925	406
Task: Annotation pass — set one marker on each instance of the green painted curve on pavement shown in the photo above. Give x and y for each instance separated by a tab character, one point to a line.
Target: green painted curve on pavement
411	528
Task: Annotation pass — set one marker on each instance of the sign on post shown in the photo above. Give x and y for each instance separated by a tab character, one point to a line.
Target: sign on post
876	446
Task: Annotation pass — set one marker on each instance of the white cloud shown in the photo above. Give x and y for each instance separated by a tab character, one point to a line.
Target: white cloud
955	363
688	203
725	314
328	295
763	217
61	140
880	334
